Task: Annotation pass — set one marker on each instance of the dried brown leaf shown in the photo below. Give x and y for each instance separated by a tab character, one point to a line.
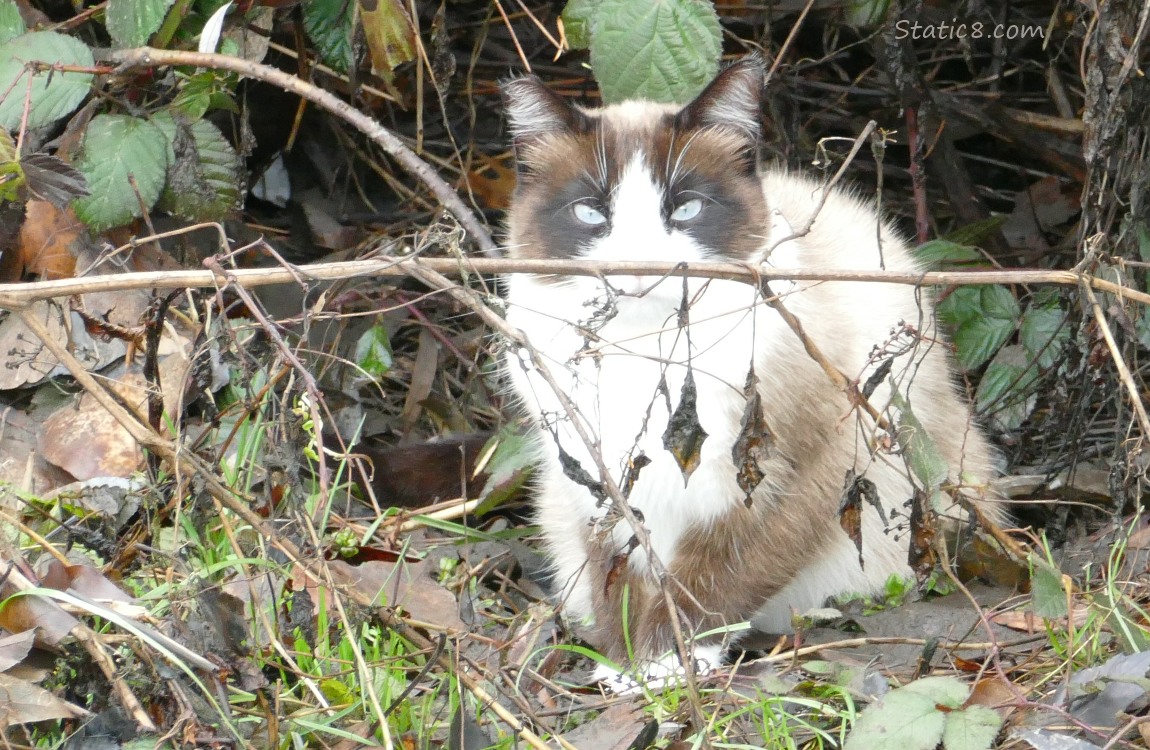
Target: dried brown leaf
23	703
403	585
13	649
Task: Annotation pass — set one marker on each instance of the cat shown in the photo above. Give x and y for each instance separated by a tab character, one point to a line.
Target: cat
643	181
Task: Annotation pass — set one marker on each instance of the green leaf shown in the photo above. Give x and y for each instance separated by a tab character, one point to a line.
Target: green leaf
663	50
959	306
329	24
119	150
11	24
1046	590
984	316
131	23
972	728
1043	332
1006	386
577	17
863	14
902	720
205	175
976	232
508	469
936	253
923	457
373	351
54	93
919	715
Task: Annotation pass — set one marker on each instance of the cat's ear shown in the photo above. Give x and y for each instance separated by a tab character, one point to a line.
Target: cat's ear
730	101
534	111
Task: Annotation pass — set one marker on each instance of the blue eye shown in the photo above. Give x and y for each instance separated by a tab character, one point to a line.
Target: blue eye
590	216
687	211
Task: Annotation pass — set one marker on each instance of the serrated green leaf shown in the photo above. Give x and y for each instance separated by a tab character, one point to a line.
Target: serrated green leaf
943	690
53	93
922	713
974	233
960	305
1046	590
119	150
1043	332
205	175
329	24
131	23
937	253
1005	388
11	24
985	317
663	50
998	302
373	351
901	720
577	17
972	728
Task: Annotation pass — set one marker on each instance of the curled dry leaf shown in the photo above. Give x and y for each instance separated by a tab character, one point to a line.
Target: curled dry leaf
684	436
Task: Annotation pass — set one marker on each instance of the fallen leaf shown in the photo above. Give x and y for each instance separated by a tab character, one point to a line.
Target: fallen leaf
620	727
402	585
51	240
23	703
13	648
45	617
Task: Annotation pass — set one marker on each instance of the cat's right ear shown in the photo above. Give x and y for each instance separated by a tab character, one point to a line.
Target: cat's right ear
534	111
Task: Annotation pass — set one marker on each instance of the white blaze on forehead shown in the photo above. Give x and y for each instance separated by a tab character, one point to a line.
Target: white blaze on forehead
637	209
638	231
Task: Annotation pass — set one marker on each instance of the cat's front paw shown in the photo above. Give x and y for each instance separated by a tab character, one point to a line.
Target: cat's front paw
658	674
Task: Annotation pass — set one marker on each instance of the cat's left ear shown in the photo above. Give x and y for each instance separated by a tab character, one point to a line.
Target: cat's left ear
730	101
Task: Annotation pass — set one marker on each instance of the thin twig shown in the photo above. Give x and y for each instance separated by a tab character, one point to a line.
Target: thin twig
146	57
18	296
1123	371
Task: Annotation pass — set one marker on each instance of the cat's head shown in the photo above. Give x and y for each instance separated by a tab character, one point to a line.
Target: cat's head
639	180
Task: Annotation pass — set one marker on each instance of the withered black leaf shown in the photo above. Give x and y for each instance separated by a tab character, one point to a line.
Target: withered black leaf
577	474
857	490
684	435
920	555
877	377
754	442
53	180
631	473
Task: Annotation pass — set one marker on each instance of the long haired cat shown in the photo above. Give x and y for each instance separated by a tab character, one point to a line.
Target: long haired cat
644	181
